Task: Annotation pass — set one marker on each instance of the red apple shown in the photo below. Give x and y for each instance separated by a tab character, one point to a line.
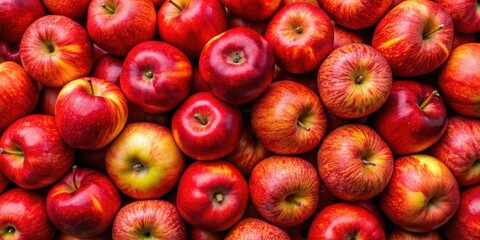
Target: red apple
286	2
343	36
465	14
308	80
23	215
400	234
284	189
9	52
354	81
301	36
462	38
110	25
4	182
108	67
412	119
415	37
189	24
107	235
237	65
90	112
146	219
47	100
92	159
56	50
198	85
234	21
136	114
253	228
422	194
156	76
16	16
212	195
465	224
83	203
206	128
19	93
74	9
196	233
252	10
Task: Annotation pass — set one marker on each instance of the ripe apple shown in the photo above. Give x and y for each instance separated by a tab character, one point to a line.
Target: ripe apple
415	37
357	14
291	202
136	114
465	14
286	2
83	203
147	219
196	233
301	36
110	25
9	52
401	234
156	76
465	224
368	157
144	161
343	36
33	154
237	65
412	119
212	195
189	24
462	38
288	118
354	81
4	183
234	21
206	128
19	93
90	112
16	16
198	85
108	67
254	228
47	100
23	215
345	220
422	194
107	235
252	10
459	79
74	9
56	50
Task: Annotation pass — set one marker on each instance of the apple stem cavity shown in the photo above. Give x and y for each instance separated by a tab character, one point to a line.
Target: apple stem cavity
11	230
429	98
149	74
218	197
298	30
359	79
303	125
176	5
13	152
91	86
440	27
111	10
74	176
237	57
138	167
200	119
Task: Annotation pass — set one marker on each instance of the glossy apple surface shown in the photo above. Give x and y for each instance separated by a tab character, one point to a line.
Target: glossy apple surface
465	14
252	10
16	16
74	9
465	224
401	234
254	228
9	52
108	67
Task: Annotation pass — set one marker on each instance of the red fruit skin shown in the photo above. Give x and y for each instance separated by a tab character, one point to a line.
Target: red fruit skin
108	67
253	228
16	16
9	52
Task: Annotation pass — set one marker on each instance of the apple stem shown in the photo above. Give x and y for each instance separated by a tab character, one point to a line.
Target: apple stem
91	86
429	98
74	176
149	74
111	10
200	119
218	197
303	125
137	167
366	162
236	57
298	30
5	151
359	79
176	5
440	27
11	230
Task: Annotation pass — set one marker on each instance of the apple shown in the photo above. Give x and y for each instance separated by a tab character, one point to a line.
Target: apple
372	206
462	38
459	77
354	162
288	118
465	223
301	36
237	66
234	21
345	220
156	76
16	16
110	25
189	24
74	9
9	52
107	235
308	80
90	112
206	128
19	94
56	50
254	228
415	37
252	10
286	2
23	215
108	67
400	234
412	119
343	36
47	99
198	85
422	194
212	195
92	159
147	219
291	202
196	233
144	161
465	14
357	14
136	114
4	183
354	81
83	203
33	154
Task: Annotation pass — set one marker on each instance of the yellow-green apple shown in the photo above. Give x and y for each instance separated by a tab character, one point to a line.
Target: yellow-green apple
465	224
176	23
288	118
212	195
149	219
301	36
156	76
90	112
354	162
459	80
422	194
74	9
357	14
254	228
252	10
237	65
144	161
47	100
354	81
284	189
23	215
33	154
344	36
465	14
108	67
19	94
234	21
9	52
401	234
412	119
16	16
207	128
56	50
345	220
415	37
110	25
83	203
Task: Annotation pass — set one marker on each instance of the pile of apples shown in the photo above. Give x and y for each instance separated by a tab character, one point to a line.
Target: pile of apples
239	119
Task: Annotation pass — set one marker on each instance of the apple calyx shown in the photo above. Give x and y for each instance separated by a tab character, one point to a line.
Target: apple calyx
359	79
176	5
299	123
74	176
298	30
13	152
218	197
200	119
440	27
110	9
149	74
291	198
237	58
138	167
10	230
434	93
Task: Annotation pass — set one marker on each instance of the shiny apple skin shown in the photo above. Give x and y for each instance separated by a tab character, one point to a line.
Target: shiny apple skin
465	14
9	52
16	16
108	67
401	234
252	10
254	228
74	9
